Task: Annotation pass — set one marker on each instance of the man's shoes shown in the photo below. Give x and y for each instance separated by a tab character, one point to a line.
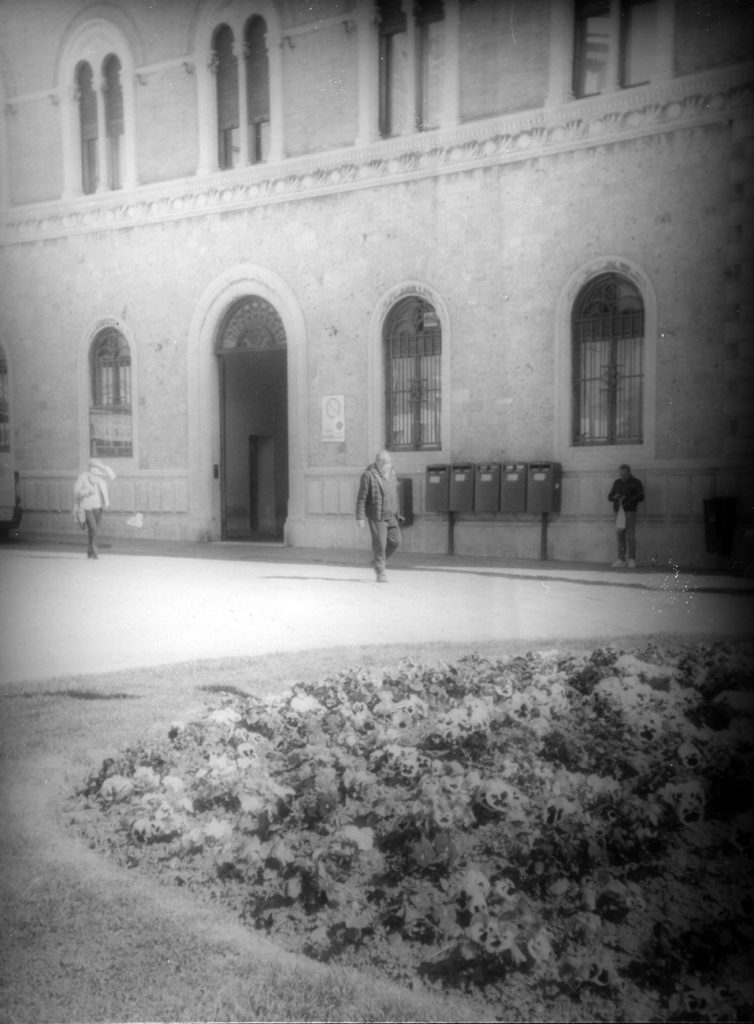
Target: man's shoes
381	577
632	563
618	564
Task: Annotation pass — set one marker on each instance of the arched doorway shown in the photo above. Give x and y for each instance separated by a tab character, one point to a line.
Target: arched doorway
252	355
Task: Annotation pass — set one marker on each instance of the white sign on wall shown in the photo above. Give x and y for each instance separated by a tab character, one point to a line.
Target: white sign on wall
333	418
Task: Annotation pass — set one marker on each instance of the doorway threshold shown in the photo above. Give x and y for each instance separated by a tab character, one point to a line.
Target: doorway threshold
250	543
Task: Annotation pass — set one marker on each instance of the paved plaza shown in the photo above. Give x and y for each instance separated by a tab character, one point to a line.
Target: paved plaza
62	614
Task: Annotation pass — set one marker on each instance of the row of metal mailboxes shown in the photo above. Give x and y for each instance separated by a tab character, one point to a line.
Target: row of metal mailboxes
493	487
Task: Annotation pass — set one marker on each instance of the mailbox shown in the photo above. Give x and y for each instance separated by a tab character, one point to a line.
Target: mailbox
513	487
543	487
461	490
487	487
406	499
436	491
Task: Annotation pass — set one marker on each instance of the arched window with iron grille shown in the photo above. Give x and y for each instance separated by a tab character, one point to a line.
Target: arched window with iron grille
412	341
110	423
608	363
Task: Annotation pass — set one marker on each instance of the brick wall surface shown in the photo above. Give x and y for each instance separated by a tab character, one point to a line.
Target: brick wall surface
320	91
167	135
503	55
712	33
34	140
31	54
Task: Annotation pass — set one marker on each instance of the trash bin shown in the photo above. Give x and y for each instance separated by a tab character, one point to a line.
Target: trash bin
513	487
543	487
406	499
461	491
719	524
487	487
436	490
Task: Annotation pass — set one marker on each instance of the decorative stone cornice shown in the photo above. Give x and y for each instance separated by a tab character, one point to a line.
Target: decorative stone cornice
672	106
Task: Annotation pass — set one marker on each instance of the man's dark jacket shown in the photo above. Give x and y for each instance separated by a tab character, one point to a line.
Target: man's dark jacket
630	491
378	497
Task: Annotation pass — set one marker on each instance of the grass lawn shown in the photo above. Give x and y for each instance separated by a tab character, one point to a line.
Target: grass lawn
96	928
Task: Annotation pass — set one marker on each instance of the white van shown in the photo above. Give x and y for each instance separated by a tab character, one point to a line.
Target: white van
10	492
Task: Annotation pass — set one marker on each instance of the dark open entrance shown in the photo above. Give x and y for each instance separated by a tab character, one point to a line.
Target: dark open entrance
254	422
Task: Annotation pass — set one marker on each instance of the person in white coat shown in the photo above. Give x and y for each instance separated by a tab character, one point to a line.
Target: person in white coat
92	497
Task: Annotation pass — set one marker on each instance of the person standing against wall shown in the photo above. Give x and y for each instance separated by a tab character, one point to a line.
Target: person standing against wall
625	494
378	503
91	495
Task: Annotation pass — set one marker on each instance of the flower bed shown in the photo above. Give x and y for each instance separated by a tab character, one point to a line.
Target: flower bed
566	836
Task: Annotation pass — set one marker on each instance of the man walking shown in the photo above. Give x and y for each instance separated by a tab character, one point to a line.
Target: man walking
91	495
625	494
378	503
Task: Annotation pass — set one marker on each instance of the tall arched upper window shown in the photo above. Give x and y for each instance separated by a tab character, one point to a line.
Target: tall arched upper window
226	70
615	44
430	62
412	65
608	363
113	90
412	342
89	132
257	89
393	71
110	422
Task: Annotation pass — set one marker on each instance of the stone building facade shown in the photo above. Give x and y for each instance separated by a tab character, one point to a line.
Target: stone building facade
244	244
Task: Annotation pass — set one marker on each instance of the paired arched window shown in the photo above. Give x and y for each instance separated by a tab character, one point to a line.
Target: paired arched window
412	345
110	413
607	359
100	106
243	94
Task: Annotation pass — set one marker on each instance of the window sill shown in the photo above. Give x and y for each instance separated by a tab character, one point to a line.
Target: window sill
603	457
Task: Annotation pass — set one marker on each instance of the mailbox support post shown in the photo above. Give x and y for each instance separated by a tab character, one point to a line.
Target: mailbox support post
543	539
451	533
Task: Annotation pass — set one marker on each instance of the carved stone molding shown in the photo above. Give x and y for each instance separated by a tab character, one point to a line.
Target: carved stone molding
585	123
253	323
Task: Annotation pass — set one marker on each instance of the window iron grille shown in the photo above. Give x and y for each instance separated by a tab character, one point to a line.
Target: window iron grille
413	347
110	416
607	358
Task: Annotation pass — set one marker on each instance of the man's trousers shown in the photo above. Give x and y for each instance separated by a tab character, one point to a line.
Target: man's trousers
386	538
627	538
